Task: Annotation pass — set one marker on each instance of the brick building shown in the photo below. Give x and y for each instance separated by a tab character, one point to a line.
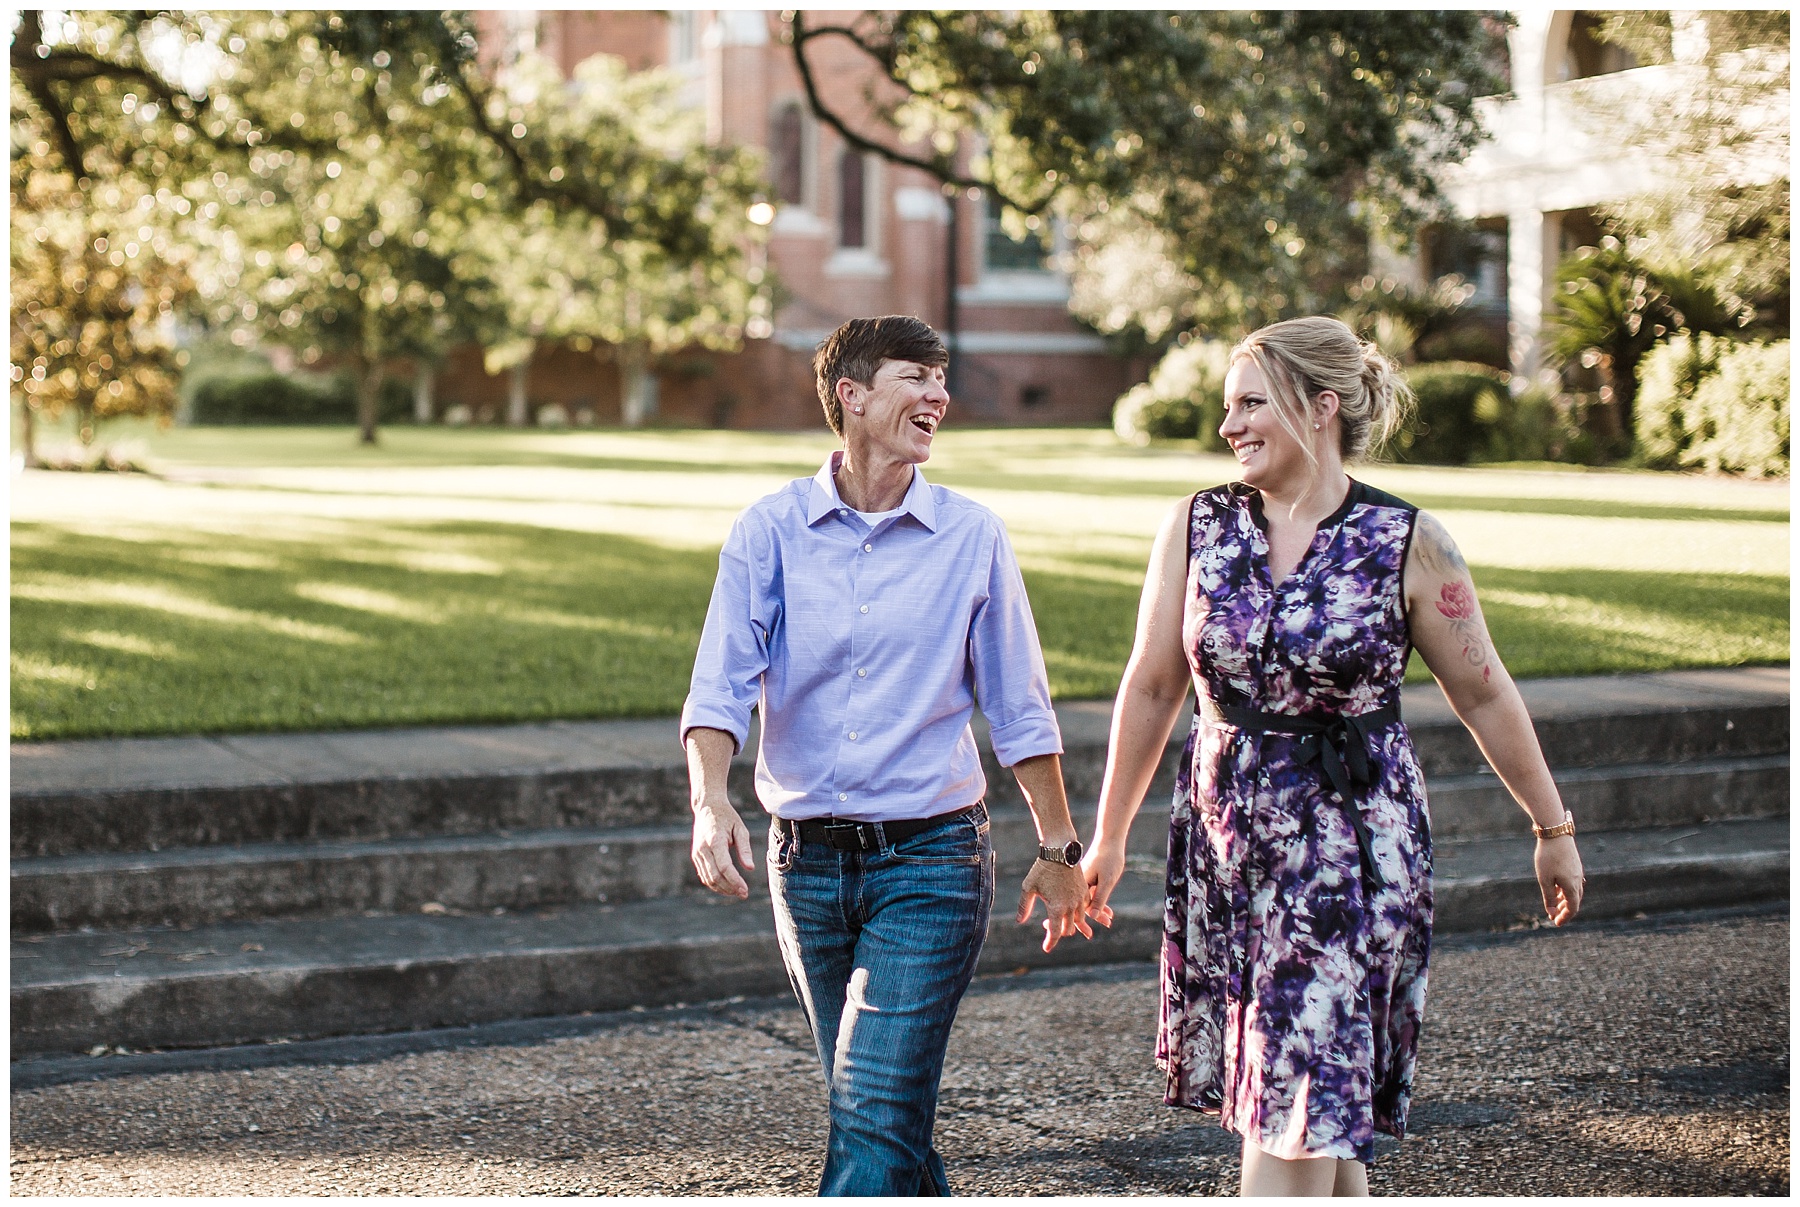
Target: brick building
852	235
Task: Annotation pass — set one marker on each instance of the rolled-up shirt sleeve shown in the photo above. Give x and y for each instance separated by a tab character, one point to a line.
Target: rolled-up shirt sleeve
1012	687
734	644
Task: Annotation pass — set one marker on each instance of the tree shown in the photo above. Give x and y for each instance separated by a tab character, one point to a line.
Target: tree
554	274
331	166
1235	161
94	291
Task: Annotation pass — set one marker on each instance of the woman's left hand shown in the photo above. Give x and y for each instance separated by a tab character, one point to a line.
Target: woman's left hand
1560	878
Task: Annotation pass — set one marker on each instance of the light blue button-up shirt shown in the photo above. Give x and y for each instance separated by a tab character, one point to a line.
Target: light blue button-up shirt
866	649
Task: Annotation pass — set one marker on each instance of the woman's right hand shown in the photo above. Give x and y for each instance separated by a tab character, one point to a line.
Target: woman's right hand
1103	866
1560	878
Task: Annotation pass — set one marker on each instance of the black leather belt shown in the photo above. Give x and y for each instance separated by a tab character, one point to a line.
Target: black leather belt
844	835
1337	742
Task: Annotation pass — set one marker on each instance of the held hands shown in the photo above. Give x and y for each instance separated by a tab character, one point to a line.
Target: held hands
1102	868
1064	893
1560	878
717	829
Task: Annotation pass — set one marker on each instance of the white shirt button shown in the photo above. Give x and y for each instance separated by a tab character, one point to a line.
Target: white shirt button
843	796
853	735
862	672
864	608
868	548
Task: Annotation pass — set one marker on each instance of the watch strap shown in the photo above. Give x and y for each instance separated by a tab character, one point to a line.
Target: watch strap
1564	827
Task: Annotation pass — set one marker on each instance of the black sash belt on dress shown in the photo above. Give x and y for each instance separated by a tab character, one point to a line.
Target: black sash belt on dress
1338	743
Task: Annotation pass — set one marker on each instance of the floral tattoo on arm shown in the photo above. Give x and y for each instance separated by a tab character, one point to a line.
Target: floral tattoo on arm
1456	599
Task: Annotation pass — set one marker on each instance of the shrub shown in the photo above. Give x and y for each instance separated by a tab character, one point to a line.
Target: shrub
268	397
1447	428
1666	416
1183	400
1537	425
1740	413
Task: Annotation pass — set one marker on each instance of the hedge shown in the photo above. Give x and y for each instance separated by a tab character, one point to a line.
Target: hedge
268	397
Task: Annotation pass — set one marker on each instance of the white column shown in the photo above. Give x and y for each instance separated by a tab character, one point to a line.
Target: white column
1532	239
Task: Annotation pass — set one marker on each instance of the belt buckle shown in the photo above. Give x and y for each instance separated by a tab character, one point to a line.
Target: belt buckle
862	832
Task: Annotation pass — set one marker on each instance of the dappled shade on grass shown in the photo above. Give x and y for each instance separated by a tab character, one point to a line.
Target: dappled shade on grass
287	579
408	625
1584	622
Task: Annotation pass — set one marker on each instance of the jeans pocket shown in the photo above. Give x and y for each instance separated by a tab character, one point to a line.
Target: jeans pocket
961	843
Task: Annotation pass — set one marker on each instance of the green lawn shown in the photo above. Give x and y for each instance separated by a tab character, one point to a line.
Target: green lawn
272	579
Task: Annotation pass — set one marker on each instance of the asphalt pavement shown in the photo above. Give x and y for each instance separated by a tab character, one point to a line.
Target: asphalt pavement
1646	1057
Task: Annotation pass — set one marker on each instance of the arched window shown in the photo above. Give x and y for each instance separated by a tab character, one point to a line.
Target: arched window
853	222
787	154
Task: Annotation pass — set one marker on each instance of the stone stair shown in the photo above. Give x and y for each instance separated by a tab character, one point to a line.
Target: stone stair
197	892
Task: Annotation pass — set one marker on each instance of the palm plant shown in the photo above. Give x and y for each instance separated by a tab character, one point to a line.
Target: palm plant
1609	311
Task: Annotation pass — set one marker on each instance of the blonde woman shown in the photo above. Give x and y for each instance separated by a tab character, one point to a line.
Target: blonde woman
1298	930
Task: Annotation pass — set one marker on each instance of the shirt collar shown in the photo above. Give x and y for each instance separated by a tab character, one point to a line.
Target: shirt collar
823	499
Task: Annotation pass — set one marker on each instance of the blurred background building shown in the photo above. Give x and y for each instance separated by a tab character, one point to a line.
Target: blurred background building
1533	193
852	234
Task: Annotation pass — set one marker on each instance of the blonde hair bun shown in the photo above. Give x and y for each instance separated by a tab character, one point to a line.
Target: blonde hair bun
1301	358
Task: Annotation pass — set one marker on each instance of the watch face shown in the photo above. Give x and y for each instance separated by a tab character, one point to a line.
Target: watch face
1072	853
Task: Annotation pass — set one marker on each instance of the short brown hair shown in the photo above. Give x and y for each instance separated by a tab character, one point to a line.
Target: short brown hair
856	350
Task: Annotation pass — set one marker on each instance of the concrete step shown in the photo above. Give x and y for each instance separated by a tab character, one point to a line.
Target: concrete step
531	869
484	872
526	869
237	982
160	793
1617	797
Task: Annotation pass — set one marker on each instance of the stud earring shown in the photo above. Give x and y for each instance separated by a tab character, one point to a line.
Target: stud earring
858	410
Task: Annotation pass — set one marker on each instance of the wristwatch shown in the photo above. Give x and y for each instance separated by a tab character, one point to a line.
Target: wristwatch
1069	856
1565	826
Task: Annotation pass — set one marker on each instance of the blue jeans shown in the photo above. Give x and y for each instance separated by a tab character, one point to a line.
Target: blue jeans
880	946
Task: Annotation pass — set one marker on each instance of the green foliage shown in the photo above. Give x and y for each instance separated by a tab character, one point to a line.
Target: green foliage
268	397
1670	376
335	171
1606	313
1717	405
1218	168
1447	428
94	295
1723	143
1534	425
1183	400
1403	318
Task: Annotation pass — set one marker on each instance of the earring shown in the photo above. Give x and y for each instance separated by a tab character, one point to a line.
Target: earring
858	410
1315	427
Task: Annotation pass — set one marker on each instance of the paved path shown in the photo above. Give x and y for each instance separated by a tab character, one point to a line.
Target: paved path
1648	1057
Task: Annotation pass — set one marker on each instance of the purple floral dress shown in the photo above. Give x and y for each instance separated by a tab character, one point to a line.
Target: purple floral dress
1290	1004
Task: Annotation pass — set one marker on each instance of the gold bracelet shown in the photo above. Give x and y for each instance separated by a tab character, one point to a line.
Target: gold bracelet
1565	826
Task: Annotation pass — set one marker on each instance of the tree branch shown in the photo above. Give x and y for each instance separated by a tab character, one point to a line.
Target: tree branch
941	166
25	44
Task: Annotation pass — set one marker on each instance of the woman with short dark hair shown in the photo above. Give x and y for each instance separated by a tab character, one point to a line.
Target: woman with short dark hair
864	612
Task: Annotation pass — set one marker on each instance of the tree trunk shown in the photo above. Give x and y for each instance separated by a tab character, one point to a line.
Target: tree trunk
637	385
518	410
368	398
29	436
424	384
